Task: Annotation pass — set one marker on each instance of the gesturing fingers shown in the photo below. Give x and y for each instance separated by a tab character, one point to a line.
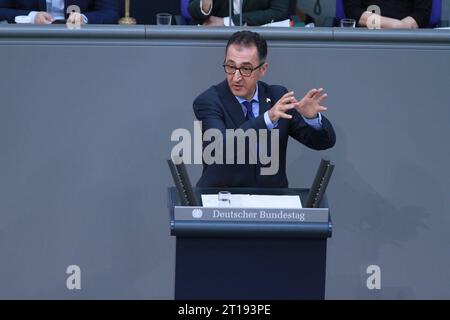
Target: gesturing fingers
285	115
281	111
286	102
311	93
318	94
287	97
283	108
321	109
320	98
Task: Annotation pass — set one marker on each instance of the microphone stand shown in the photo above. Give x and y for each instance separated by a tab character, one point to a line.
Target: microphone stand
230	5
240	14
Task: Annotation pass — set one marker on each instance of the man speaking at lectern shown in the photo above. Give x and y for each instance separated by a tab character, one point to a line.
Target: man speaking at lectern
244	102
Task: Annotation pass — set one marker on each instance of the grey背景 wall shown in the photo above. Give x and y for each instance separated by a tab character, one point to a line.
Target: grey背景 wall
85	124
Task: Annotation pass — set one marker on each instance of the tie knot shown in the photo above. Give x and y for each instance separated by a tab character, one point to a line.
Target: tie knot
249	108
248	105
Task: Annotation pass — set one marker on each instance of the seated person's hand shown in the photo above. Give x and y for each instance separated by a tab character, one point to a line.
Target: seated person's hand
386	22
214	22
409	23
406	23
75	18
43	18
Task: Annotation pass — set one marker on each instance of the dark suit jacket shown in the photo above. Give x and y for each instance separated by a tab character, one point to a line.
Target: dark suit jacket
218	108
256	12
97	11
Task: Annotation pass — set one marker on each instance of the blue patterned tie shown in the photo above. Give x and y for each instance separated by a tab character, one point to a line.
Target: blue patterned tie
249	106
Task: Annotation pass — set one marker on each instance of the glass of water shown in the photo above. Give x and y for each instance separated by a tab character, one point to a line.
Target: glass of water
163	19
49	7
224	199
348	23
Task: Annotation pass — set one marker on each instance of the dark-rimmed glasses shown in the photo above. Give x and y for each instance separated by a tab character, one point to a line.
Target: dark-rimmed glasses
244	71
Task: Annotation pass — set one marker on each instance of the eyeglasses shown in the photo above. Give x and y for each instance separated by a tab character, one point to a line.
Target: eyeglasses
244	71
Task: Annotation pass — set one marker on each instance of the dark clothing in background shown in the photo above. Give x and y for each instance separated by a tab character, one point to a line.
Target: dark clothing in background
419	10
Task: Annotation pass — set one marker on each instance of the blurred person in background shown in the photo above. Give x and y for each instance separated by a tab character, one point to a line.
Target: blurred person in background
92	11
255	12
395	14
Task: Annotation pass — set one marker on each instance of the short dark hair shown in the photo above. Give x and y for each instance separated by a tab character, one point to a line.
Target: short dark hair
247	39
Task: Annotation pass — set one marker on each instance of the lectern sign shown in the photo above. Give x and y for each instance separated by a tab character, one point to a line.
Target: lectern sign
229	214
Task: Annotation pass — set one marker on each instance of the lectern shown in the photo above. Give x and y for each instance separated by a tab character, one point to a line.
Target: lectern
249	253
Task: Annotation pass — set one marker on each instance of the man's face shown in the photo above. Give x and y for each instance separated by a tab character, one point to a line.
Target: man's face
247	57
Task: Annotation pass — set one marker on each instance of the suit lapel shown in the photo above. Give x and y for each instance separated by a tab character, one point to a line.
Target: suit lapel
265	99
234	108
231	105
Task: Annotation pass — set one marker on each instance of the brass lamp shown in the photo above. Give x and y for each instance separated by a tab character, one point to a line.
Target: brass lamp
127	19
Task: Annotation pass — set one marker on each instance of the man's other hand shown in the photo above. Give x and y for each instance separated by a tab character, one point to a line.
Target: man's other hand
286	103
309	106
